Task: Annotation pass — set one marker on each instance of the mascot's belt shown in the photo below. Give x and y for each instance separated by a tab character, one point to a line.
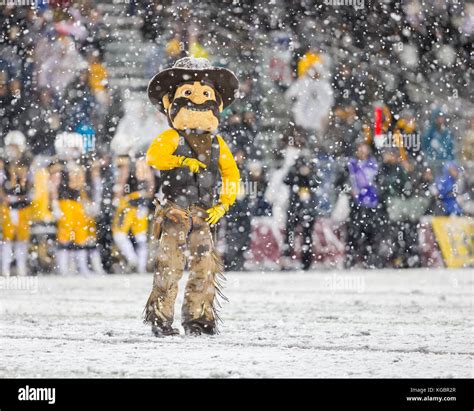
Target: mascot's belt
176	214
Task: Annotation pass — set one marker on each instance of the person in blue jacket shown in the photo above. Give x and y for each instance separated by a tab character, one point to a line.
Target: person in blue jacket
438	141
446	186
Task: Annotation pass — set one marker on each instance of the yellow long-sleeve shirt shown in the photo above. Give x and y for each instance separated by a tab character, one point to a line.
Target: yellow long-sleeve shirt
160	155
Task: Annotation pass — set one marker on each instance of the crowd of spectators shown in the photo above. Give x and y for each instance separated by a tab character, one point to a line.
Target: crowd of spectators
377	105
339	108
52	75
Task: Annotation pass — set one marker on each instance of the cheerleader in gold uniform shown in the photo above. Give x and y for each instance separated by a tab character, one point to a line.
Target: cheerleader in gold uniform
16	205
131	215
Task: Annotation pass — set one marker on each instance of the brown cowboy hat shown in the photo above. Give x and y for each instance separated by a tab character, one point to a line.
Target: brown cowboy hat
193	69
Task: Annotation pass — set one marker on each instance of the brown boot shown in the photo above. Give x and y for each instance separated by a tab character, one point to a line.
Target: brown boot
200	327
163	330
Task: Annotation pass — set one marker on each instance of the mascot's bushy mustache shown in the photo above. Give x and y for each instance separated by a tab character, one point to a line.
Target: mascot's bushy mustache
183	102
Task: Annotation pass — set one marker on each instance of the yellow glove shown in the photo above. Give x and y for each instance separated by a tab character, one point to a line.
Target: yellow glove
216	213
192	164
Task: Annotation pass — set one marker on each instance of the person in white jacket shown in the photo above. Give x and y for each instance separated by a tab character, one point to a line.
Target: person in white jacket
312	98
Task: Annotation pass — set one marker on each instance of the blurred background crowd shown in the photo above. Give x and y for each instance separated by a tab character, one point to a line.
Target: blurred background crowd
362	118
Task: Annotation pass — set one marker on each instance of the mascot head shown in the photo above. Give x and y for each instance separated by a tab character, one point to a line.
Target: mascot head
193	93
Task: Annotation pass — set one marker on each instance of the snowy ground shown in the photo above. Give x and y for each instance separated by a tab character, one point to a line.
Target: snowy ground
321	324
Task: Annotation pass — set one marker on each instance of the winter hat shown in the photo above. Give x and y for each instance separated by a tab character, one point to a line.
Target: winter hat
17	138
193	69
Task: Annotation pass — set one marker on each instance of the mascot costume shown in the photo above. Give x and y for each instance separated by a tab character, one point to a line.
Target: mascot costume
193	161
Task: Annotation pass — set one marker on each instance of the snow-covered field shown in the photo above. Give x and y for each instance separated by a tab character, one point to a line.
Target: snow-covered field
410	323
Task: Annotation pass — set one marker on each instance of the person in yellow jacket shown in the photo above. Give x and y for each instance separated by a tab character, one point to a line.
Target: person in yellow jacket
406	128
193	160
131	214
97	78
16	210
69	202
75	202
